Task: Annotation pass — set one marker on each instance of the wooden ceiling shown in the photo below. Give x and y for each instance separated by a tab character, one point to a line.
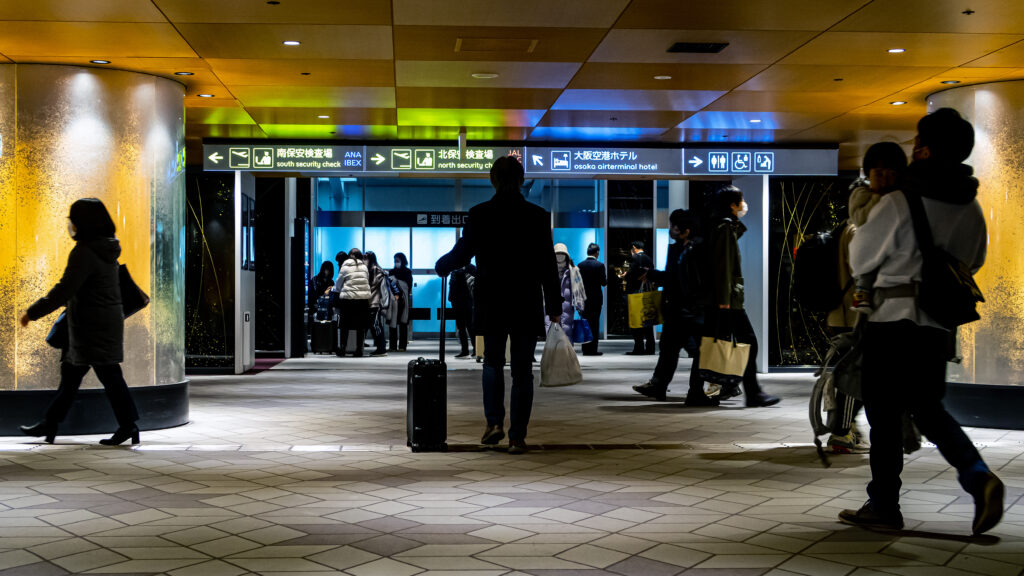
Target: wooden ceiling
794	71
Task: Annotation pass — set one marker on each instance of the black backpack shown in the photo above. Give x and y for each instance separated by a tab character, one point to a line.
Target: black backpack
816	272
947	291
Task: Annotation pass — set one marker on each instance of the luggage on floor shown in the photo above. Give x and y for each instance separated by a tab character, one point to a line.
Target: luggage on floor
323	308
427	400
323	335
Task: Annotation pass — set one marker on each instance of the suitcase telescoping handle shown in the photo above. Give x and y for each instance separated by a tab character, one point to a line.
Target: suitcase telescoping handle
444	304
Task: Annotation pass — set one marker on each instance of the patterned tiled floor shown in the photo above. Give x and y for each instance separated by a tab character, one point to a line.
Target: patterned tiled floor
302	469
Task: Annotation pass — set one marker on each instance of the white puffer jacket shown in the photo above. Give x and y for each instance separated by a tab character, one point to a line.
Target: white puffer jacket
353	281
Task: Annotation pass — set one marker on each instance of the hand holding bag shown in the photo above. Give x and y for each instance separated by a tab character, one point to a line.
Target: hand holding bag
133	298
559	365
581	332
723	360
645	308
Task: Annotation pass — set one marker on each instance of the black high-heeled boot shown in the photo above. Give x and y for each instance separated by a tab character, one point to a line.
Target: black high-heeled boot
41	428
121	435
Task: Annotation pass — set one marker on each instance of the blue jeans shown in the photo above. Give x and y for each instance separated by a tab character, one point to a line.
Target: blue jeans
905	370
523	347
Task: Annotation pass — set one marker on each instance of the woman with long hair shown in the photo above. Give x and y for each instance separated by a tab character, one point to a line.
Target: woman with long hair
380	297
91	291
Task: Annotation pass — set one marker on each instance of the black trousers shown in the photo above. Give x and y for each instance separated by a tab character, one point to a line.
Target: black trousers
464	328
905	370
722	322
113	384
643	340
354	316
593	317
399	337
680	334
379	338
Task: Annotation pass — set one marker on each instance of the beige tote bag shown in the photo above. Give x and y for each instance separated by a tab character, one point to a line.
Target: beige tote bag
723	361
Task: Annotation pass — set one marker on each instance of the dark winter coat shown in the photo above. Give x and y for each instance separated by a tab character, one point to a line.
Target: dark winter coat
641	263
568	310
91	291
682	280
594	277
726	282
509	296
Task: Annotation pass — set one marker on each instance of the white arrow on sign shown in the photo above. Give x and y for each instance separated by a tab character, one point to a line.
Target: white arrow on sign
377	159
695	162
538	160
216	157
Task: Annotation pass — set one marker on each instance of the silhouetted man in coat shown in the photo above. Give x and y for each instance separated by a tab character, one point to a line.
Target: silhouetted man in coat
594	277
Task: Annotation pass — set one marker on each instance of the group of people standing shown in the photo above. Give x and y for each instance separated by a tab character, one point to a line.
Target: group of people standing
365	297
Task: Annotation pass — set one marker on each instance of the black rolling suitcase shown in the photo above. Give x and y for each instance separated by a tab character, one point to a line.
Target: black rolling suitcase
427	399
323	335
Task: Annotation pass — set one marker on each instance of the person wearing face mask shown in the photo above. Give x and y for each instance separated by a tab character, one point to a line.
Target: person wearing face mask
683	308
565	272
725	291
398	333
90	289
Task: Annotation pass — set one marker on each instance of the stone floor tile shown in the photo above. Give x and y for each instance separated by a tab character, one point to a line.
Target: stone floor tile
385	567
145	566
816	566
344	557
593	556
85	561
675	555
744	561
64	547
15	558
501	534
210	568
638	566
224	547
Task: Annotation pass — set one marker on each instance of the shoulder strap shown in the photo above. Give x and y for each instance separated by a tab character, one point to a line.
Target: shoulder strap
922	230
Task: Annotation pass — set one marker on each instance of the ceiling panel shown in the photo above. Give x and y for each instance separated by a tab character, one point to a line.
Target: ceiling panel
104	40
166	67
557	14
737	14
605	75
221	131
606	134
335	116
370	73
459	74
264	41
493	43
227	115
604	118
636	99
1012	56
467	117
82	11
989	17
871	48
745	46
290	11
833	103
880	80
753	120
718	136
477	133
314	96
358	131
524	98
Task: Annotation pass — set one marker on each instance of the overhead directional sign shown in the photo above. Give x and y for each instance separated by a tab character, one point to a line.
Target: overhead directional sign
780	161
597	160
570	161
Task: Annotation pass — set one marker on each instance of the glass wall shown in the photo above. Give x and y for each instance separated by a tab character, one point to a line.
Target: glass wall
353	212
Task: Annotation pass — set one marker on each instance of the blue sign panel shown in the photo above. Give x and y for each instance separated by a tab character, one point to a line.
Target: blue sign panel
780	161
597	160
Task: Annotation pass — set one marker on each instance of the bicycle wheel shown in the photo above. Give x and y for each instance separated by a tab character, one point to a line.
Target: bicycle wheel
822	420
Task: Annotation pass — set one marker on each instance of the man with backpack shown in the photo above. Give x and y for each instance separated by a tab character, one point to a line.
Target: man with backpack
934	218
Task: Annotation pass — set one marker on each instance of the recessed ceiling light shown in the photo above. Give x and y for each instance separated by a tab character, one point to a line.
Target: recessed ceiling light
837	79
305	73
273	2
484	75
967	12
183	74
99	61
755	120
950	81
291	42
897	50
663	77
323	116
206	95
898	103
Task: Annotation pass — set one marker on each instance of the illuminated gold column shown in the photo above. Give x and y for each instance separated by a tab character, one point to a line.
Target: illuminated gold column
72	132
993	348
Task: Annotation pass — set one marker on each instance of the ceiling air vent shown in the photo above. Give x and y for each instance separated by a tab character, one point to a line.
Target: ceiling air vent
697	47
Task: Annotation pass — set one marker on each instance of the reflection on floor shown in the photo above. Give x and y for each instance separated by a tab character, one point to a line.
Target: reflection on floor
302	469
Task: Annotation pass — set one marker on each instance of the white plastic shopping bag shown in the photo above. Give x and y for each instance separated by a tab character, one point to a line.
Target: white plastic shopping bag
559	365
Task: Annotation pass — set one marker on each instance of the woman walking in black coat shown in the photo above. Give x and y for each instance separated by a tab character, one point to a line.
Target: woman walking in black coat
91	291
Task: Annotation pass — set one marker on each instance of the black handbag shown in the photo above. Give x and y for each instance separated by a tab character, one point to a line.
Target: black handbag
133	299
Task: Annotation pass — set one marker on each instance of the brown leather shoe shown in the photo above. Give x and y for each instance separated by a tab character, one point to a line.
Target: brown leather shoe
517	447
